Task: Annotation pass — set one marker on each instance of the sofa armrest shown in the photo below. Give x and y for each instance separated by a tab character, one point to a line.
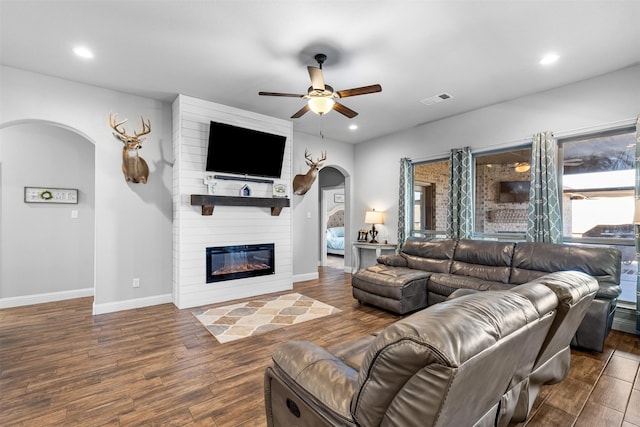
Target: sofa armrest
323	375
608	290
393	260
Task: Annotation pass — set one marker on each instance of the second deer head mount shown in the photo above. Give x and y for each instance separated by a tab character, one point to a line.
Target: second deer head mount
302	183
134	167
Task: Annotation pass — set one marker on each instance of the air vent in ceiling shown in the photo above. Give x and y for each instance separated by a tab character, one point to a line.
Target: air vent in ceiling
436	98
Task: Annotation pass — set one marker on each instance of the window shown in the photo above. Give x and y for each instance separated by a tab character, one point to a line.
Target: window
502	192
430	196
598	179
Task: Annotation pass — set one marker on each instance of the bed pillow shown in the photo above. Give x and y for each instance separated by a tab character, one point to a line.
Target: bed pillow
337	231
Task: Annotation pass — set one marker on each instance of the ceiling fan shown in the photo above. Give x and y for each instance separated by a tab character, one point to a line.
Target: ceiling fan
321	97
520	166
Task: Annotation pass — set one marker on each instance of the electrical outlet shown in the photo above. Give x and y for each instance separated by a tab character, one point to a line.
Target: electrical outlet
136	283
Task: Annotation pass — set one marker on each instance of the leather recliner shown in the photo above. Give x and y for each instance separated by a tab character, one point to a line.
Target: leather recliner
575	291
444	365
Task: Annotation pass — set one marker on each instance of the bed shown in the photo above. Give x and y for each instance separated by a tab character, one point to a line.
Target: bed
335	231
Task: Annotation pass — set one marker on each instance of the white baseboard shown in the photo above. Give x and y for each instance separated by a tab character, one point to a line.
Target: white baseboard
305	277
42	298
111	307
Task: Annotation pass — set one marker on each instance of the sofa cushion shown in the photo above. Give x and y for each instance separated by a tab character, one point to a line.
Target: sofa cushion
432	255
533	260
393	260
390	282
486	260
445	284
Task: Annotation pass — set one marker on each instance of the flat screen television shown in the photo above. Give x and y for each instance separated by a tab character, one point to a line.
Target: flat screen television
241	151
514	191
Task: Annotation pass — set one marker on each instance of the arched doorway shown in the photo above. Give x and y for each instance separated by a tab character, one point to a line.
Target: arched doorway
46	249
334	223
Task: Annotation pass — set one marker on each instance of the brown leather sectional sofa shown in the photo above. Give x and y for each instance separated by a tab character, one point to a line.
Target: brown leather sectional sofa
427	271
478	358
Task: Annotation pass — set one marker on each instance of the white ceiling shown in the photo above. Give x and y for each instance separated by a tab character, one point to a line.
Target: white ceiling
480	52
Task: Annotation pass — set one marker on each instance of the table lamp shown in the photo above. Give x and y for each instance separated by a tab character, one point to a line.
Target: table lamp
373	217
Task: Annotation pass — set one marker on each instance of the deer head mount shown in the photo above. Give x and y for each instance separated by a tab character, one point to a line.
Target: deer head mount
134	167
302	183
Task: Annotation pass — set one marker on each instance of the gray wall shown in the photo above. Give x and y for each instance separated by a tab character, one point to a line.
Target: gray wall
42	249
306	209
133	222
133	229
595	103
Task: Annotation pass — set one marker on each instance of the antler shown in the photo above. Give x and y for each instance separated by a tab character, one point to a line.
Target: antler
146	128
310	161
308	157
114	125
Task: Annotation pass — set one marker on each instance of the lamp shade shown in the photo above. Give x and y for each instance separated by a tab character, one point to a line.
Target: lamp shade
320	104
373	217
636	214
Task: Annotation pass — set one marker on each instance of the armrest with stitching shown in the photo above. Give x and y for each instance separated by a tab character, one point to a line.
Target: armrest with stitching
322	374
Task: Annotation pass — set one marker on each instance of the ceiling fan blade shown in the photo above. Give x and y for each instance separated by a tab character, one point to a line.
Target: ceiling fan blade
317	80
346	111
359	91
292	95
301	111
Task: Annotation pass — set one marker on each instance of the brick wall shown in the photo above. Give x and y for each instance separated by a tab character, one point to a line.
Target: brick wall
436	173
491	216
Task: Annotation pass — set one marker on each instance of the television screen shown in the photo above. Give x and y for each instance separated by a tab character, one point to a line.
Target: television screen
514	191
243	151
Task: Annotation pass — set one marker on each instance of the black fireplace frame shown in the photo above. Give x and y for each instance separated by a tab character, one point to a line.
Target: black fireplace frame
269	247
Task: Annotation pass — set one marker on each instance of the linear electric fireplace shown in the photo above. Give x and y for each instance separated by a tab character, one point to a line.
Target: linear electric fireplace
239	261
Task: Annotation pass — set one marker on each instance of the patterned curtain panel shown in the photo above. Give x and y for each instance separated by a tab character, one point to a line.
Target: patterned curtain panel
544	219
460	209
637	225
405	201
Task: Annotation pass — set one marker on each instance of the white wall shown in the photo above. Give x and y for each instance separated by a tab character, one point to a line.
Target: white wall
575	108
132	221
306	208
43	250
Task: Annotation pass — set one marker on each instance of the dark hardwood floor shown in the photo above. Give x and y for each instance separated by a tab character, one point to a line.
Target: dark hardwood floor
158	366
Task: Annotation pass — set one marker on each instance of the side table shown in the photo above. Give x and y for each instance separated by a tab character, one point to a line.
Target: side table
361	248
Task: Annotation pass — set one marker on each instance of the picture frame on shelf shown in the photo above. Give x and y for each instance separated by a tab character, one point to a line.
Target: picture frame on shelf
279	190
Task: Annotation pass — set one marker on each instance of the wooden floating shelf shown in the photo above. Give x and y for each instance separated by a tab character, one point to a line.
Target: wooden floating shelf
209	202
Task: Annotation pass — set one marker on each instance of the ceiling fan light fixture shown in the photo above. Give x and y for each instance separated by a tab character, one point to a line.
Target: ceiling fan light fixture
321	104
522	167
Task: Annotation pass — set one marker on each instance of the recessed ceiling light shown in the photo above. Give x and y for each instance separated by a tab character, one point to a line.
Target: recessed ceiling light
353	127
549	58
83	52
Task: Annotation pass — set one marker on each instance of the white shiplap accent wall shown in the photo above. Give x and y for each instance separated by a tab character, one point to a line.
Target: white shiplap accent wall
229	225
